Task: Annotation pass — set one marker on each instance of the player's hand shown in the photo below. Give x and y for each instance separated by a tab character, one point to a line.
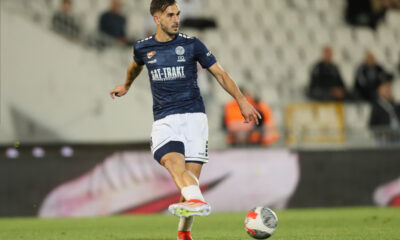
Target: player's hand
248	111
119	91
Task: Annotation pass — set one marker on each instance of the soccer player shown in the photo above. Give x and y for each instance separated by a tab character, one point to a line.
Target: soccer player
179	138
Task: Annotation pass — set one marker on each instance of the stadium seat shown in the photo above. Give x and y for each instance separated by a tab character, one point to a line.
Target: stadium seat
357	115
348	72
319	5
393	18
276	5
365	37
313	21
292	20
279	38
301	76
270	95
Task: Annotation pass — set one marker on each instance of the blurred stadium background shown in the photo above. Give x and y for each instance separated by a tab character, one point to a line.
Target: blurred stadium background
60	127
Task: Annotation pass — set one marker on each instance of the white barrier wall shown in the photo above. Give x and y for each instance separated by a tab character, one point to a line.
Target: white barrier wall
56	90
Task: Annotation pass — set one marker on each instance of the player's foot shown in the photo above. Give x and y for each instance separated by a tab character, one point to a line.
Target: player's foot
192	207
184	235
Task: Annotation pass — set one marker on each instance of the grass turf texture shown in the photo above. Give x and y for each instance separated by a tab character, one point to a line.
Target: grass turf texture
307	224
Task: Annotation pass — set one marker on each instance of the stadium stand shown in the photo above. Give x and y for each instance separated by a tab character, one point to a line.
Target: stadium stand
277	41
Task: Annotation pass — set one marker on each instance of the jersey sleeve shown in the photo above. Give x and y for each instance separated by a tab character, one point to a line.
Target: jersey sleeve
136	55
203	55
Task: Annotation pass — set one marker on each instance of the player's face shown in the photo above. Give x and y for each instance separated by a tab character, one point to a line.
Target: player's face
169	20
328	54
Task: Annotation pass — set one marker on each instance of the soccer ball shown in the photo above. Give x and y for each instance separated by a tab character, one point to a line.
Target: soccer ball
261	222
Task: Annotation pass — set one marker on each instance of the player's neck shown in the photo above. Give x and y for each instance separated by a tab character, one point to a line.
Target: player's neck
162	36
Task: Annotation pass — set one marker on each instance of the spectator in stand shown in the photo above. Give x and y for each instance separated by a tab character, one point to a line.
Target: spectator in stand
113	23
63	22
398	65
326	82
368	12
368	77
241	133
385	115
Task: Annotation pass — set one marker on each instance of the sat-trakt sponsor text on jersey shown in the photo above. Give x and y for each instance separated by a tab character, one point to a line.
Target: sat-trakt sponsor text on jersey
172	68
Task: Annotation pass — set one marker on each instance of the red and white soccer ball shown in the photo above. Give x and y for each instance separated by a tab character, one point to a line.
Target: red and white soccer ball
261	222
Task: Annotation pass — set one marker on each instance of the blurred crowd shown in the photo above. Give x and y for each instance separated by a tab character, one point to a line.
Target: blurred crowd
111	25
368	13
372	82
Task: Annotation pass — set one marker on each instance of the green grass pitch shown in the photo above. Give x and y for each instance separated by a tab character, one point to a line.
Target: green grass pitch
304	224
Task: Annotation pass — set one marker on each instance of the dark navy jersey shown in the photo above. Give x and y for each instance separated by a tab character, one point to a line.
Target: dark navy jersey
172	68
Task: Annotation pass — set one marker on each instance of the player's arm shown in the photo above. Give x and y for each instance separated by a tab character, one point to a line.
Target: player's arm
133	71
223	78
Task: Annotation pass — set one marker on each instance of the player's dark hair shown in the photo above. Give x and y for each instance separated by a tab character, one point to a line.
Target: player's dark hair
160	5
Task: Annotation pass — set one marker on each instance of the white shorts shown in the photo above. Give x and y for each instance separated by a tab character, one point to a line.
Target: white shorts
183	133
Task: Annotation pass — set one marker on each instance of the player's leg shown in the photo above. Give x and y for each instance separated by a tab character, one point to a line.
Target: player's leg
188	184
185	223
195	169
169	149
175	164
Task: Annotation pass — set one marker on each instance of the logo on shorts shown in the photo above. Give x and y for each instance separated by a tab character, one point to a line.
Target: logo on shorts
206	148
151	54
205	153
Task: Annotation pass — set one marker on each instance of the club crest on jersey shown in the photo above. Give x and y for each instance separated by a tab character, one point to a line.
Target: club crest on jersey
179	50
151	54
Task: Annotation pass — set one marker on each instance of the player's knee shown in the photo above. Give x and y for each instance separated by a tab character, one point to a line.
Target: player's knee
173	163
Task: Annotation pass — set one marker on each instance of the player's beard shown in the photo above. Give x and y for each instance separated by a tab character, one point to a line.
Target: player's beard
170	30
